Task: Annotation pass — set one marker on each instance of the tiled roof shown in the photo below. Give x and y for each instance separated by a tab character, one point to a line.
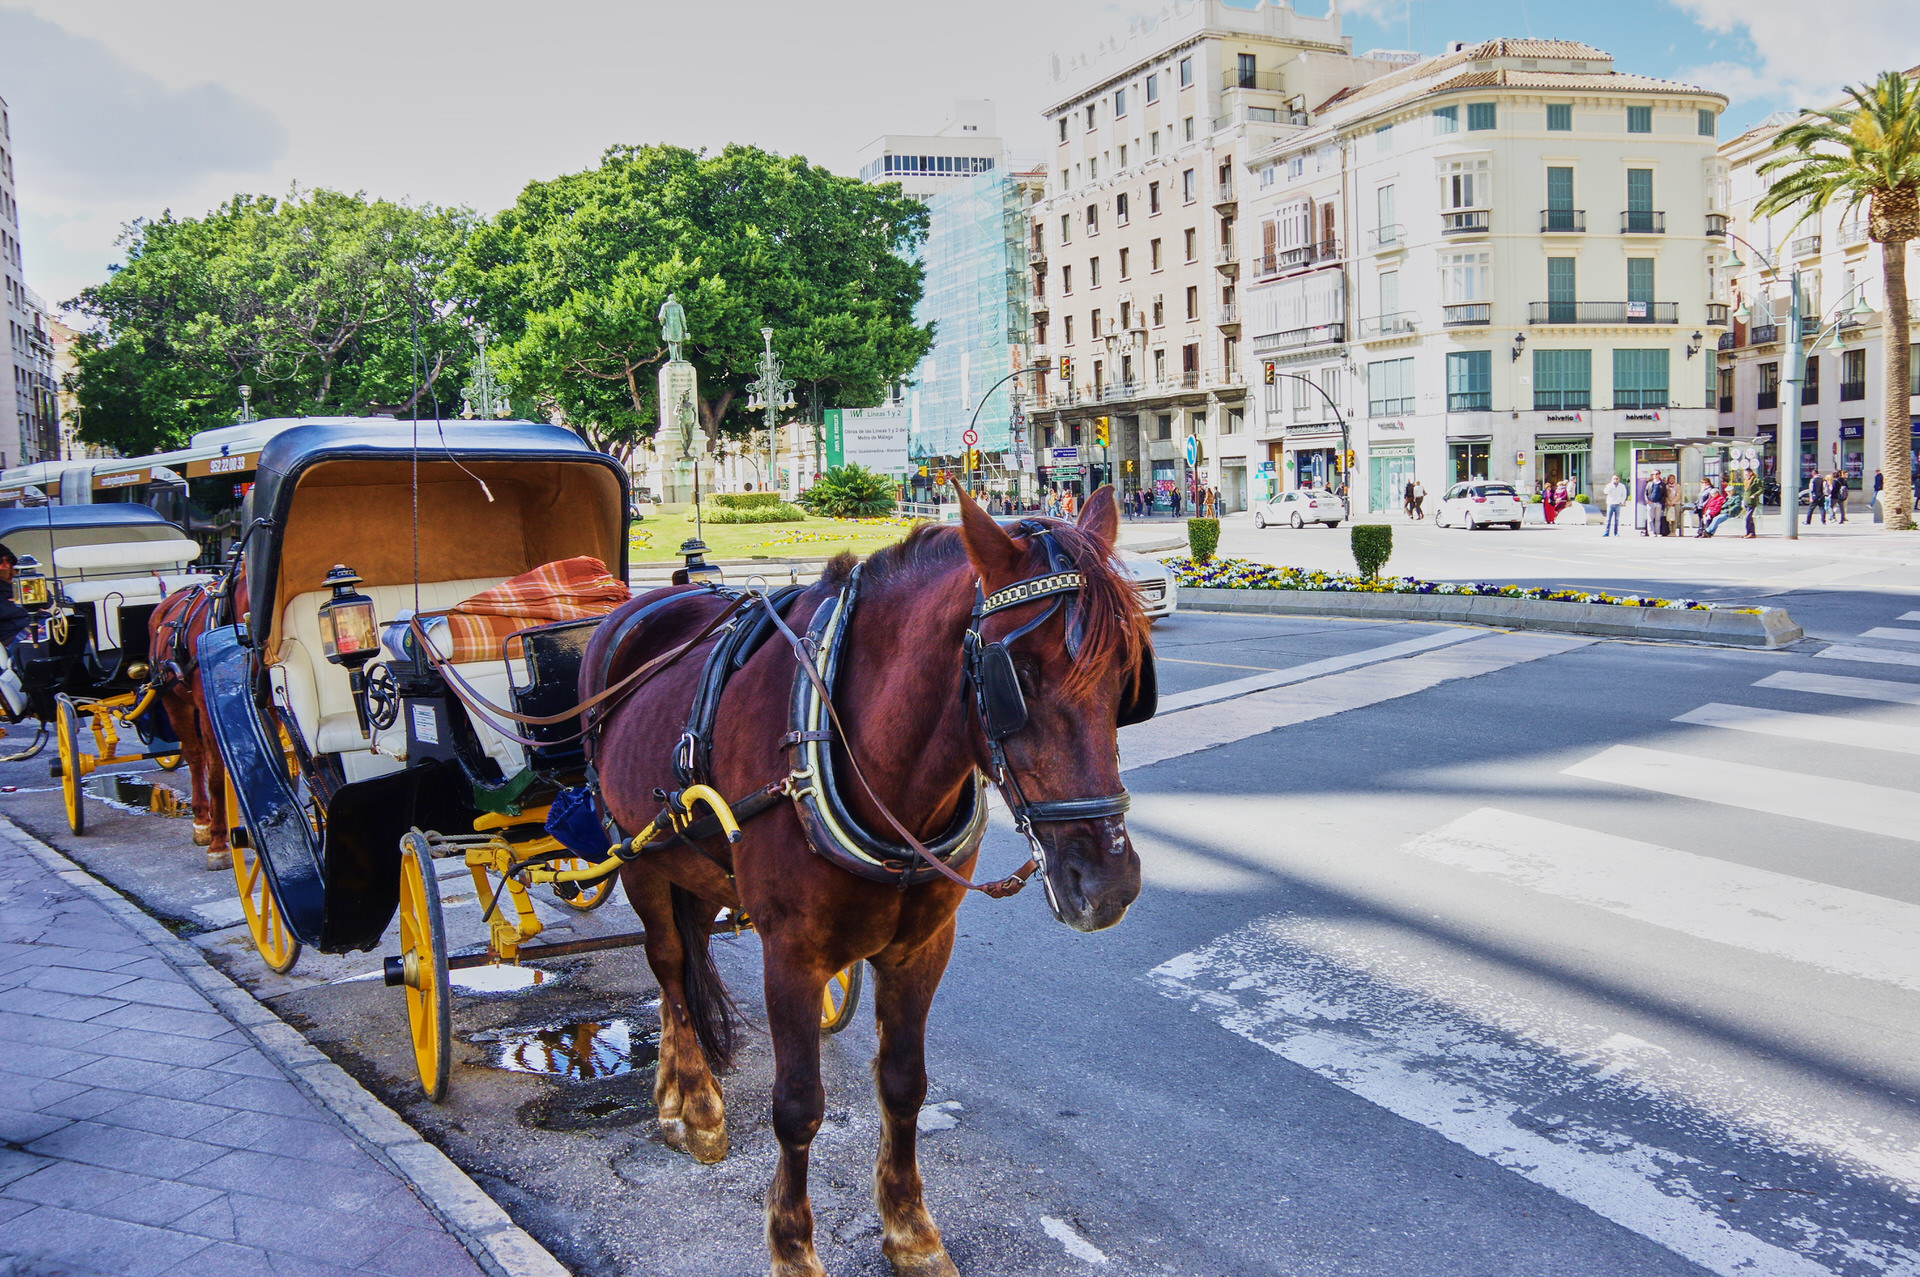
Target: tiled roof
1537	49
1567	82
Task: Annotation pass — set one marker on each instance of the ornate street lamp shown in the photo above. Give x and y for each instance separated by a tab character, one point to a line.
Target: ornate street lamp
246	405
484	397
771	391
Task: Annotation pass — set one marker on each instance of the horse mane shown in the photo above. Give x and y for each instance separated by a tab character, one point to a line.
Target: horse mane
1114	627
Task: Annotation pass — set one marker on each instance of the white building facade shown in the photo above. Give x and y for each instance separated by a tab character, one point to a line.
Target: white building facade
1843	303
29	416
1506	262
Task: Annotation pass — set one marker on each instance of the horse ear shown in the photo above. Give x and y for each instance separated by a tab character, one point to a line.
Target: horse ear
991	551
1100	516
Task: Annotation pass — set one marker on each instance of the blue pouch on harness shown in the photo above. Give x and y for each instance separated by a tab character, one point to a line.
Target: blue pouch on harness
572	820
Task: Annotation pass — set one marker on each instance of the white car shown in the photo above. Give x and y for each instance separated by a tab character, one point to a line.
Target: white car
1479	503
1153	582
1300	507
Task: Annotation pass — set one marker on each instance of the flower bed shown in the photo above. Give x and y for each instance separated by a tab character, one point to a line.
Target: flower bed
1241	574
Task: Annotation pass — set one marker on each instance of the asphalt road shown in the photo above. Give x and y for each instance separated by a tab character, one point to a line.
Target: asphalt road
1464	952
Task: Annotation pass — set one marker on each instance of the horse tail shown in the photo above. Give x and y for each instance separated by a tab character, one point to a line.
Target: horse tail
709	1005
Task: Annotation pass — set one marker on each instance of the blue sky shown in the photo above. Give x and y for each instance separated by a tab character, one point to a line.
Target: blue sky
124	108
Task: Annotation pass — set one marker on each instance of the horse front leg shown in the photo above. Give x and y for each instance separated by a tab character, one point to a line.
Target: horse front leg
686	1097
795	984
904	986
214	779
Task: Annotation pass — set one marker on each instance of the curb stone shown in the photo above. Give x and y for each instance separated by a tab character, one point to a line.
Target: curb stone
497	1244
1768	628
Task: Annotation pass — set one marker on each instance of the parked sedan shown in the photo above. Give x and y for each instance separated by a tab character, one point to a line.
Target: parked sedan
1479	504
1300	507
1152	581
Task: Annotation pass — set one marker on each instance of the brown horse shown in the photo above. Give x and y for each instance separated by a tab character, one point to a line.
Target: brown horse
172	633
911	715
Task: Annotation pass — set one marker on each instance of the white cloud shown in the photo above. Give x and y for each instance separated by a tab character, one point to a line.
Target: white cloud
1808	51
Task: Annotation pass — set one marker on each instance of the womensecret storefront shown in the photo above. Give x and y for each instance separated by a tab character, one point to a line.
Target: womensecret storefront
1568	459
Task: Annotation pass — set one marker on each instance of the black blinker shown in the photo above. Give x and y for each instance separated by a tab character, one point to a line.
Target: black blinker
1004	705
1143	699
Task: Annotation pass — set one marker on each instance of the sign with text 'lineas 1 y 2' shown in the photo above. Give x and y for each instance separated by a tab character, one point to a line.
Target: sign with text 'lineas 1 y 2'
872	437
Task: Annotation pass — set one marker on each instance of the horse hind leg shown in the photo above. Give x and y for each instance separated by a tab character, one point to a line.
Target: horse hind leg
687	1099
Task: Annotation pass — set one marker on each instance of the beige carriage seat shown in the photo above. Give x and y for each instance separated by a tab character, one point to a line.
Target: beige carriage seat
320	699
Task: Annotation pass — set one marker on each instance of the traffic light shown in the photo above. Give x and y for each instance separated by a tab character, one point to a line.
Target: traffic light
1100	431
1066	368
1349	458
1129	466
923	472
1269	372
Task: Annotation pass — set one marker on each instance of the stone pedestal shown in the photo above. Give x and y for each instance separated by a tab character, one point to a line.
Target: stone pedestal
680	444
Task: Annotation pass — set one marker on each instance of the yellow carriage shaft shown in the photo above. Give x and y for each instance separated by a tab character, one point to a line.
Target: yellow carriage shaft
104	719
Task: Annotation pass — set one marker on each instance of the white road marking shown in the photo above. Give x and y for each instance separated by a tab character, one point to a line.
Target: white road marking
1314	669
1077	1246
1172	735
1652	1141
1845	804
1847	932
1828	729
1871	655
1908	616
1888	632
1863	689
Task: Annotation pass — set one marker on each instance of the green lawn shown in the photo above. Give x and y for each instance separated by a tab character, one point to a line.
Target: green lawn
658	539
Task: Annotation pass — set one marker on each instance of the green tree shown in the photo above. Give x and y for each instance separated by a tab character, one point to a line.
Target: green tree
573	275
311	301
1866	153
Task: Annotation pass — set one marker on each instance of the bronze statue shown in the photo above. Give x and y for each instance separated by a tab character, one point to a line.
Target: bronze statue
673	326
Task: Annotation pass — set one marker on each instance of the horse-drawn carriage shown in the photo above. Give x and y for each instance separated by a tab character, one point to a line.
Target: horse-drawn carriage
86	579
432	662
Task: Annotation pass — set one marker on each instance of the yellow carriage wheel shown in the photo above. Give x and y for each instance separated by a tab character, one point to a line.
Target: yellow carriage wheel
841	998
168	762
66	729
586	895
279	948
423	958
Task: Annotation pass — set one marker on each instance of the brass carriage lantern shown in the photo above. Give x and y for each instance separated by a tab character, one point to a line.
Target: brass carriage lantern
29	587
350	633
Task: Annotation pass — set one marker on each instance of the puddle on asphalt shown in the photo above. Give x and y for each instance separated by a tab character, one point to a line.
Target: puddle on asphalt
573	1052
130	793
497	978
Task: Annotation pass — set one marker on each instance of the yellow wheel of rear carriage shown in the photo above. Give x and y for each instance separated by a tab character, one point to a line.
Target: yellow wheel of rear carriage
423	958
841	998
279	948
168	762
586	895
66	727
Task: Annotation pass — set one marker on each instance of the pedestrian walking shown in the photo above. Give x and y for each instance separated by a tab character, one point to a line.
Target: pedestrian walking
1837	496
1817	497
1616	495
1419	499
1406	500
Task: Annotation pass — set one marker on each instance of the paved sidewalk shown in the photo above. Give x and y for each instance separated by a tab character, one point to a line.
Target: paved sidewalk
142	1131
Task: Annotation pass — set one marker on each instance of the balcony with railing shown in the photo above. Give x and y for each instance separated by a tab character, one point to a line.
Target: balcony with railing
1387	239
1247	113
1763	334
1726	342
1604	313
1227	258
1563	220
1258	81
1716	224
1466	314
1717	315
1580	400
1766	399
1853	233
1292	259
1852	390
1227	315
1726	403
1295	338
1643	221
1469	222
1223	196
1805	246
1397	324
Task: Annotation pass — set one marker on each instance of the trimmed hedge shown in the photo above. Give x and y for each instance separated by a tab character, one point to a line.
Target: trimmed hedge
746	500
1203	537
777	512
1372	547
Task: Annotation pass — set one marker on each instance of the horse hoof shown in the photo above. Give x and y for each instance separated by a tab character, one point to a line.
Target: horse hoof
203	835
934	1265
219	860
808	1265
706	1147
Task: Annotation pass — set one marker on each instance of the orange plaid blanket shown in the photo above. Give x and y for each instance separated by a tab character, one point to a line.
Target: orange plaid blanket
564	590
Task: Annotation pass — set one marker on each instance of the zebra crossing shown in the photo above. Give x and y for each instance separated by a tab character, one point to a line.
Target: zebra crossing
1667	1123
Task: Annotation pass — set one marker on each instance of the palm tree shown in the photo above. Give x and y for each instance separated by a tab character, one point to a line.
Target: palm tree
1867	153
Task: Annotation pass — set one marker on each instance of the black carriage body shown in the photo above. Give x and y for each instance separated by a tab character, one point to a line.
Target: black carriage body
498	499
77	657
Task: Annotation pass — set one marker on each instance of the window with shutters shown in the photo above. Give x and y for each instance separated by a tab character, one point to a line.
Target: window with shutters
1707	122
1639	287
1640	190
1562	380
1559	117
1482	116
1639	119
1389	387
1561	295
1469	380
1446	119
1640	378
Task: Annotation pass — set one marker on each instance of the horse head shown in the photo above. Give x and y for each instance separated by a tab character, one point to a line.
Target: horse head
1058	657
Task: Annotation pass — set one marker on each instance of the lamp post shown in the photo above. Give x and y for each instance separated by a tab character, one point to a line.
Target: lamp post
246	405
975	419
483	396
773	391
1788	439
1345	443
